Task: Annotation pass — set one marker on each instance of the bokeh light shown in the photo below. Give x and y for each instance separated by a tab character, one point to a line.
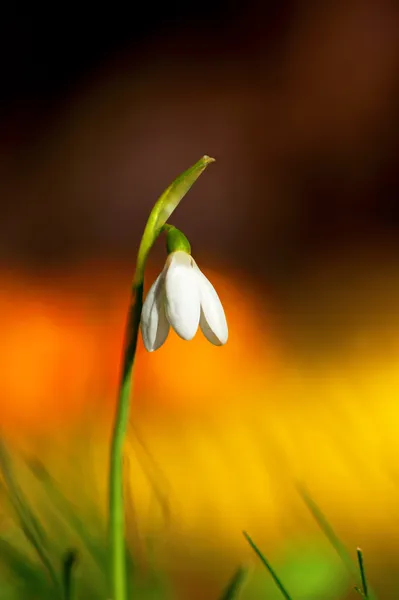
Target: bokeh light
296	224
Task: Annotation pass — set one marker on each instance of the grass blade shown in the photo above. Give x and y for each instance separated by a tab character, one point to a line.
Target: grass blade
68	564
362	573
19	564
334	540
268	566
235	584
67	511
16	496
27	520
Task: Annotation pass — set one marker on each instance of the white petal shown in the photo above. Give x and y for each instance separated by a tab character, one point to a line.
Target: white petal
154	324
213	320
182	295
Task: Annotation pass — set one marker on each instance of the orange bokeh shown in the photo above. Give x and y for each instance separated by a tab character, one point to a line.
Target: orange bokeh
61	347
47	356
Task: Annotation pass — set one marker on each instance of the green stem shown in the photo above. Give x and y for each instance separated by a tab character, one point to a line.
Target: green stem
116	499
159	215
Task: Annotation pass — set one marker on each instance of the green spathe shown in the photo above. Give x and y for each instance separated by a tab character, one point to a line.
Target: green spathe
163	209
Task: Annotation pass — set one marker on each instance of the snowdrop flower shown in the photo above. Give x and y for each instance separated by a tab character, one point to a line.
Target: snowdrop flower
182	297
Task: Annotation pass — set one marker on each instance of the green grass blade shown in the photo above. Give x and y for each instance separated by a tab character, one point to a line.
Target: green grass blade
67	511
362	573
234	587
27	521
17	498
268	566
68	565
18	563
334	540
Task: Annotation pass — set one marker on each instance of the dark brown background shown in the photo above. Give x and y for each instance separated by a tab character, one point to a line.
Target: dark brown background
298	102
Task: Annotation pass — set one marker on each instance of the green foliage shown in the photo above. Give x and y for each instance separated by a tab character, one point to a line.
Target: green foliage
69	564
275	577
355	570
309	571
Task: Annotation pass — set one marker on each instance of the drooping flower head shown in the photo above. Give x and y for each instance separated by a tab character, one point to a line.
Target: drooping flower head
182	297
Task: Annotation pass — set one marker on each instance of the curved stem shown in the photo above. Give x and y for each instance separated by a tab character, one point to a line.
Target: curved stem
159	215
116	499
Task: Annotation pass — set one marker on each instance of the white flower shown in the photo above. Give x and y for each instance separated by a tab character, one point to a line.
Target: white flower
182	297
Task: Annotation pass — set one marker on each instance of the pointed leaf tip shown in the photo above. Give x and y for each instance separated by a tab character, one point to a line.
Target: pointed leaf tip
164	207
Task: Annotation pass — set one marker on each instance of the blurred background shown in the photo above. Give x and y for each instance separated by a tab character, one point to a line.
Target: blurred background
296	224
